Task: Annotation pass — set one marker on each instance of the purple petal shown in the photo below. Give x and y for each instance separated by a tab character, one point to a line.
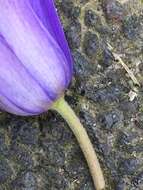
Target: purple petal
35	62
46	11
34	46
19	92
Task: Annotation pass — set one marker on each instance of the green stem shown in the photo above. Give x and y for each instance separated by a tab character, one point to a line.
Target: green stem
62	107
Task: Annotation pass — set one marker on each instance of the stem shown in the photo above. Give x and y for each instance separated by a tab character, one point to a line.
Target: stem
62	107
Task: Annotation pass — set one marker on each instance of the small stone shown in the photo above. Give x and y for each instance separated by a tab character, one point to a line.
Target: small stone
69	9
25	132
107	58
67	6
111	119
75	12
73	34
91	19
114	10
91	45
129	166
80	64
125	139
104	95
132	27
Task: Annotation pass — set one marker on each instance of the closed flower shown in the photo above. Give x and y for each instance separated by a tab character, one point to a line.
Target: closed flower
35	61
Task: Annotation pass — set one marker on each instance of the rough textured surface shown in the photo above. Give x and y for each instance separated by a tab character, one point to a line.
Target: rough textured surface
41	153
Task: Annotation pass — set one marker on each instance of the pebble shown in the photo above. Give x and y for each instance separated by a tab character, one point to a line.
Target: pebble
91	44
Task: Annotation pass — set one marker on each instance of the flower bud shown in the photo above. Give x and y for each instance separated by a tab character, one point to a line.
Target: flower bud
35	61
